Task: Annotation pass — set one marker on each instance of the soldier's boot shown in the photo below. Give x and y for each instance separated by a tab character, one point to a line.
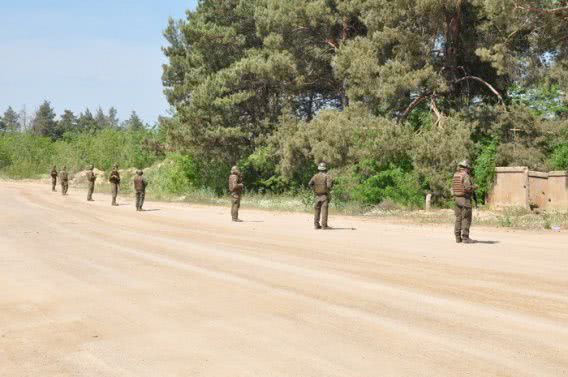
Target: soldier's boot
317	226
467	240
458	239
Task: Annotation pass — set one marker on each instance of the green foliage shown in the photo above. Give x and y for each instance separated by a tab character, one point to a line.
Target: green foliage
559	158
393	183
25	155
484	169
177	174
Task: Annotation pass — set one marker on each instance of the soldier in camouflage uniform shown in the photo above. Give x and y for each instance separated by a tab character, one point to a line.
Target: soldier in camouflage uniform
91	178
114	180
53	178
140	188
64	178
462	190
321	184
236	188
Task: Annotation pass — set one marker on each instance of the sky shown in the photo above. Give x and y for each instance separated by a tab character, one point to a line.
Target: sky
85	53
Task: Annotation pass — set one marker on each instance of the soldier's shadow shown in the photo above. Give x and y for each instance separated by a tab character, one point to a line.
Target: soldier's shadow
486	242
334	228
151	210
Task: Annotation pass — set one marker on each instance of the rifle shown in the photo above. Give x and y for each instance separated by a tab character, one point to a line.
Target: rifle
474	196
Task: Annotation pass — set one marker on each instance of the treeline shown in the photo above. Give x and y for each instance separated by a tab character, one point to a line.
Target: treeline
392	94
44	122
30	146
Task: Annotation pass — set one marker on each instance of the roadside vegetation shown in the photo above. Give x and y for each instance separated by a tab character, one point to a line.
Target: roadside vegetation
391	100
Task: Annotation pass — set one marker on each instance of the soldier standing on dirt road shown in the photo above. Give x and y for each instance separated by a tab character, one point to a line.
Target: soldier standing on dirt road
91	178
64	177
462	190
114	180
236	188
140	187
321	183
53	178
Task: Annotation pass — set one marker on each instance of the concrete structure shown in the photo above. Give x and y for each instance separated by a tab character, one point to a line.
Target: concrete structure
520	187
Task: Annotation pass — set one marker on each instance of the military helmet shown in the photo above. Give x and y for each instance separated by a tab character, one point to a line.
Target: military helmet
322	166
139	172
235	170
464	164
91	167
115	166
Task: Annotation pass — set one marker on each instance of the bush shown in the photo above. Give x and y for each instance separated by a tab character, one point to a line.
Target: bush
369	184
559	158
484	169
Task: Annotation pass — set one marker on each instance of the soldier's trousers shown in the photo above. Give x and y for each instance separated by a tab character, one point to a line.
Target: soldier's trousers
140	200
463	221
90	192
53	183
114	187
321	209
64	187
235	205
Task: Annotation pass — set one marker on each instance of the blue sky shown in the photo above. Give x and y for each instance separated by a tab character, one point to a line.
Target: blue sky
85	53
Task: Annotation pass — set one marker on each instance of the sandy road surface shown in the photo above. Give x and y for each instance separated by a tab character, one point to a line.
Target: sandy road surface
91	290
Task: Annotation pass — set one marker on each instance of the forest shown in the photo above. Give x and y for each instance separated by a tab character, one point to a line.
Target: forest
391	94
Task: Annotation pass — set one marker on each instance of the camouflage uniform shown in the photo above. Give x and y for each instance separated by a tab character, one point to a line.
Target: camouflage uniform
114	180
64	178
53	178
91	178
462	190
236	188
140	188
321	183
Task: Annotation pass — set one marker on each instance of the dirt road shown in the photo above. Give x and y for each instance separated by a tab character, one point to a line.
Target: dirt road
180	290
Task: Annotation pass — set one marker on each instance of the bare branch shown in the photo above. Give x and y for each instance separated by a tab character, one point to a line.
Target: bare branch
542	10
478	79
414	104
331	43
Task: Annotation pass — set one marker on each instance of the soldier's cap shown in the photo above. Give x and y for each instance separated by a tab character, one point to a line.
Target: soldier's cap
234	169
322	166
139	172
464	164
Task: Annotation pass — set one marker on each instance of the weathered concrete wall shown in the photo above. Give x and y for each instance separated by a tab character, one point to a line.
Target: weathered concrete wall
519	187
538	189
558	190
510	188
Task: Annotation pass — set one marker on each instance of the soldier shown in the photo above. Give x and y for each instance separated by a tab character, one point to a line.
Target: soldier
53	178
462	190
91	178
236	188
140	187
321	184
114	180
64	177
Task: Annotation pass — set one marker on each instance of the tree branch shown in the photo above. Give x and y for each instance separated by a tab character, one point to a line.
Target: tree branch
478	79
541	10
331	43
417	101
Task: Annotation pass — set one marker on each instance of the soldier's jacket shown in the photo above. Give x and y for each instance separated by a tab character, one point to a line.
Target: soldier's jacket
114	177
140	183
53	173
91	177
321	183
235	184
64	176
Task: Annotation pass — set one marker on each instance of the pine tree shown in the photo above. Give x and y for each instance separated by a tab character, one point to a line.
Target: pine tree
68	122
44	123
134	123
10	120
